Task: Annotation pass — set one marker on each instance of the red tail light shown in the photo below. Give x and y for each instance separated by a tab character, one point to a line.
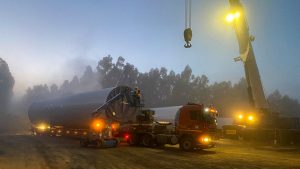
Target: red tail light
126	136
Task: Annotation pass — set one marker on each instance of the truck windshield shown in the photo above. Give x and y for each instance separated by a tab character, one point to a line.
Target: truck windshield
201	116
208	117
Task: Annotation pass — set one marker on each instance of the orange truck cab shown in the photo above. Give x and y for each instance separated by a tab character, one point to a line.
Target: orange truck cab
196	126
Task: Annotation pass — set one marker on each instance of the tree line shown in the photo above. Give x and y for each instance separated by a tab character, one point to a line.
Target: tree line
161	87
7	82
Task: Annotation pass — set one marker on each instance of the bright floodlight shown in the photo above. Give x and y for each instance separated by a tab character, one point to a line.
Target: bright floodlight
240	116
237	15
232	16
250	118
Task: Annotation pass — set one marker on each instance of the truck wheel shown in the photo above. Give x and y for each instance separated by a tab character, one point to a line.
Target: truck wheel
147	140
132	141
116	143
187	144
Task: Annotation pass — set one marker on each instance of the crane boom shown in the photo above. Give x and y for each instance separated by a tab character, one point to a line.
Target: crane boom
255	89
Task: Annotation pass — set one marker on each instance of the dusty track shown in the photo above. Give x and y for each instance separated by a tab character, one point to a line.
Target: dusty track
55	152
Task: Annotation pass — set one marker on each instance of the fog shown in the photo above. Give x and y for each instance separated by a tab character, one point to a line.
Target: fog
41	38
46	44
17	93
50	68
11	120
160	88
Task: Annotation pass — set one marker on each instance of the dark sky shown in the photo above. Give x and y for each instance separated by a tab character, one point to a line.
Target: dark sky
52	40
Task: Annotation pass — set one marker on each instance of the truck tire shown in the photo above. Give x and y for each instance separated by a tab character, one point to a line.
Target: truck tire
147	140
117	143
187	144
133	140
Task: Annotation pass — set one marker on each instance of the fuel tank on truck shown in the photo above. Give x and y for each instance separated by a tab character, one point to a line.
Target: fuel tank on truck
76	111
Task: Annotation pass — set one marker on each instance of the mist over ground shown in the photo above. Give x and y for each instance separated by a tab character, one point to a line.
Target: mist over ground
11	120
160	87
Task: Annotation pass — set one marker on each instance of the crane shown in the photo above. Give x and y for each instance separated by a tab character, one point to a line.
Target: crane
238	20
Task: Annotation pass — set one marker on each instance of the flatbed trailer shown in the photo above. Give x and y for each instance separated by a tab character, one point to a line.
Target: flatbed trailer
89	116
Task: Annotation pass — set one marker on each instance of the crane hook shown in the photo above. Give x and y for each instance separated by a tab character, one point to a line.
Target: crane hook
188	37
188	24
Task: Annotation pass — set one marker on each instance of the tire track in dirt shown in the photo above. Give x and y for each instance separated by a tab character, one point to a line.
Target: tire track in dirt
62	153
54	151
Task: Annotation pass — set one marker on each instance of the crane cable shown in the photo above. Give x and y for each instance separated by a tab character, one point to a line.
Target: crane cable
188	14
188	24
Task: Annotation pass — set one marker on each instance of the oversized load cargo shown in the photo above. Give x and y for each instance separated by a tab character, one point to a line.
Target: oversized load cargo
166	114
171	114
76	111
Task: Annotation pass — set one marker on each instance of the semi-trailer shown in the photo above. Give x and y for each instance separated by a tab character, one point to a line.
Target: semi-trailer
105	117
75	115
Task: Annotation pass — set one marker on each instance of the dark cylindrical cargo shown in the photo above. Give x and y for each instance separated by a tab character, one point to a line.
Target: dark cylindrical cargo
76	111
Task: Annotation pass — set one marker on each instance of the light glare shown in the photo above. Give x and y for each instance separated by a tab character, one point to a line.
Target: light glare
240	116
206	109
230	17
250	118
237	15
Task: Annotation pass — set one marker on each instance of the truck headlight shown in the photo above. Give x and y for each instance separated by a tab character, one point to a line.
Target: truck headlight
240	116
205	139
98	124
42	127
251	118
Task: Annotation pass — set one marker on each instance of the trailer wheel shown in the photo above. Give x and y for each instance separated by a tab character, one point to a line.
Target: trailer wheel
186	144
147	140
132	140
117	143
98	143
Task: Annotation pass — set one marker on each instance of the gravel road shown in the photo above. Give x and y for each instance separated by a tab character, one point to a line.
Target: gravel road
36	152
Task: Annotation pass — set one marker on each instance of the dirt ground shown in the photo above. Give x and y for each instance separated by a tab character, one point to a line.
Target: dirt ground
35	152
